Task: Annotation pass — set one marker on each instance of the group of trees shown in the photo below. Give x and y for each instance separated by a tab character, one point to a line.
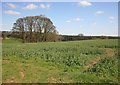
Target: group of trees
35	29
41	29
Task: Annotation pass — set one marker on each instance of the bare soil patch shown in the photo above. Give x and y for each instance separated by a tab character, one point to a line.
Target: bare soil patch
110	52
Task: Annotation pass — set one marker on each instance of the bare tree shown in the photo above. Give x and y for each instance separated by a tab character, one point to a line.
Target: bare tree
35	28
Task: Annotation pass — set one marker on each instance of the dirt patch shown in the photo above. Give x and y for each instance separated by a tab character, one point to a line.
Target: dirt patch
22	74
93	62
54	80
110	52
11	80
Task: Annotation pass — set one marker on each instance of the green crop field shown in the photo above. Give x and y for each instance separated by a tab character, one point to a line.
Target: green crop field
85	61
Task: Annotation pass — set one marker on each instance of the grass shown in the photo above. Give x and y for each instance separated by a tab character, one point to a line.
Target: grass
56	62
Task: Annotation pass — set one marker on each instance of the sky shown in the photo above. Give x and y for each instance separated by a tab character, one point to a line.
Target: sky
70	18
58	0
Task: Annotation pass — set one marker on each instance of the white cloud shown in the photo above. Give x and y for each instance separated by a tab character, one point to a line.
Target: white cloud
77	19
48	6
11	5
12	12
44	6
74	19
85	3
111	18
68	21
30	6
99	12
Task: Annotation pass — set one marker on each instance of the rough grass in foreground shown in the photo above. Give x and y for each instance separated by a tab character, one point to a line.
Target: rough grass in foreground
84	61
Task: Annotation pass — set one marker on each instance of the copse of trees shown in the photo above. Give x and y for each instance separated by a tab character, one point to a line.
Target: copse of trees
41	29
35	29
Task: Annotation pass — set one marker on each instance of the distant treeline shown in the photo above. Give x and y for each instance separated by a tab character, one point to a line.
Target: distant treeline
41	29
8	34
77	37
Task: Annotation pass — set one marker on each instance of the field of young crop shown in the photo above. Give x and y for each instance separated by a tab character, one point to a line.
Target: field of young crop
84	61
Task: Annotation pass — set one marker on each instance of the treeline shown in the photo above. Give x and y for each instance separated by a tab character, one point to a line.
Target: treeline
35	29
41	29
62	37
77	37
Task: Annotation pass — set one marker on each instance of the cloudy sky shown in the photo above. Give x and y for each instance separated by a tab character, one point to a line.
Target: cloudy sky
89	18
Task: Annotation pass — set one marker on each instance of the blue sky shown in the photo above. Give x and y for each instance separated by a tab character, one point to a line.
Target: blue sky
58	0
72	18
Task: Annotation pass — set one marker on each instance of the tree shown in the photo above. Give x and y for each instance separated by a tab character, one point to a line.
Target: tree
80	35
35	28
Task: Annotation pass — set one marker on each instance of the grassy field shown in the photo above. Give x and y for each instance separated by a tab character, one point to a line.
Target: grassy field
84	61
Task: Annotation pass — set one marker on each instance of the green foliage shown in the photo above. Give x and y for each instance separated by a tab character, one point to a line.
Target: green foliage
55	52
67	60
106	66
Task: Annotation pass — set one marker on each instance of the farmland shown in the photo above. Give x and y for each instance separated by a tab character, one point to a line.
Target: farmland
86	61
